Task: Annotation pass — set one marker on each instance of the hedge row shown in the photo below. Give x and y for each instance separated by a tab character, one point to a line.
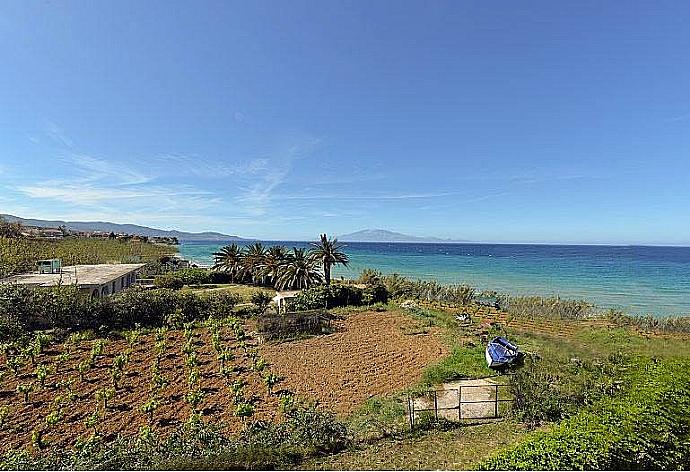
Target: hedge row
25	308
333	296
648	428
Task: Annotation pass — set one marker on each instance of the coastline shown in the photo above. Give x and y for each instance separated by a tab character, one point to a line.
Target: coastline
637	280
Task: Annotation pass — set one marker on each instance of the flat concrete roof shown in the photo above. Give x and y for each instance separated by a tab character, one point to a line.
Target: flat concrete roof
83	275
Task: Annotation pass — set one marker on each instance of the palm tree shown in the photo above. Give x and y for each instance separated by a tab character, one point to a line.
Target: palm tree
328	252
299	271
274	258
230	259
254	256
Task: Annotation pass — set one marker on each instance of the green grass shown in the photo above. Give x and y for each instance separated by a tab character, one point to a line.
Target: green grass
458	448
243	292
462	362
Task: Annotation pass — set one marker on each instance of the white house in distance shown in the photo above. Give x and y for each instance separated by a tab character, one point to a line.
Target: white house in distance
98	280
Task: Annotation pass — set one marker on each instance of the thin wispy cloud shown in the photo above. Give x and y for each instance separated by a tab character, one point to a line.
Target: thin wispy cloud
93	169
57	135
682	117
256	197
208	169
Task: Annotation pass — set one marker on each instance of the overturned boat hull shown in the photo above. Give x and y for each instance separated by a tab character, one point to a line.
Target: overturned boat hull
501	353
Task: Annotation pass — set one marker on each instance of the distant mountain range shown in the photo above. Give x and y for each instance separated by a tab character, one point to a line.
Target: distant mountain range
124	228
386	236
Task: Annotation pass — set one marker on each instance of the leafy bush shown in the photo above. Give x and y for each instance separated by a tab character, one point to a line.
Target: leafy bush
375	293
194	276
25	308
327	296
306	428
648	428
169	280
219	277
261	300
552	388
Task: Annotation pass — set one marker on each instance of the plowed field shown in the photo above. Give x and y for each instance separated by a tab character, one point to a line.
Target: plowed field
368	355
72	398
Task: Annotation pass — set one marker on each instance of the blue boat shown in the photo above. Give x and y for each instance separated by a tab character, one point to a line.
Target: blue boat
500	353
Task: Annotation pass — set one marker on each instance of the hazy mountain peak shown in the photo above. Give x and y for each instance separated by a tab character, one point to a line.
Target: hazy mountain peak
384	236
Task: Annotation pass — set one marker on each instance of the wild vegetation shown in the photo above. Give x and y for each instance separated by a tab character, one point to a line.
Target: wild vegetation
24	309
20	254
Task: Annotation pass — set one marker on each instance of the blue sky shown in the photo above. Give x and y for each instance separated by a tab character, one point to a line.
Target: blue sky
486	121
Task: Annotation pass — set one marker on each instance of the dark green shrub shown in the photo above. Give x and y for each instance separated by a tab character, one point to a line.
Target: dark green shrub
261	300
327	296
375	293
217	277
370	277
647	428
169	280
305	428
194	276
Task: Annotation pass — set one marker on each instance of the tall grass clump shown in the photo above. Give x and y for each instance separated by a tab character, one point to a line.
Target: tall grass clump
547	307
669	324
431	291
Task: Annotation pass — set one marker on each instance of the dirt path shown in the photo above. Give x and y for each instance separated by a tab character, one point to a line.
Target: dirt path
368	355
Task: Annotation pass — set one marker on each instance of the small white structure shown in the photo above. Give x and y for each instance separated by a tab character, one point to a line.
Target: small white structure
99	280
281	299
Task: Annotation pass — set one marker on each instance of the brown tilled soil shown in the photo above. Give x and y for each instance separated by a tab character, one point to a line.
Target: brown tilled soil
124	415
369	354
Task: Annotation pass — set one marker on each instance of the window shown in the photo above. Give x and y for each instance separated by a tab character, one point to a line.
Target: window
94	294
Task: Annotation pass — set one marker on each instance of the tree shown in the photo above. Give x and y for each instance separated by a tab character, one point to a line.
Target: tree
299	271
10	230
253	260
274	259
230	260
328	252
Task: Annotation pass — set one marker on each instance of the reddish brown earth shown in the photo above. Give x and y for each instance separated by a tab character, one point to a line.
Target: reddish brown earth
368	355
124	415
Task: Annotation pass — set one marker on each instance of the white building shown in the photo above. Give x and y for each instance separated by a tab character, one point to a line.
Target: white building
99	280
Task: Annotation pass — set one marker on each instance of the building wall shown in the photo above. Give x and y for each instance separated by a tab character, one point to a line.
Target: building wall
115	286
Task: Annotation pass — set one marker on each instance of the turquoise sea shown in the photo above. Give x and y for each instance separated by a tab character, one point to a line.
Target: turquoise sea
637	279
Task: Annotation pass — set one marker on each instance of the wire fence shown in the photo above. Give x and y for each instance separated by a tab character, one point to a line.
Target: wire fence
469	401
